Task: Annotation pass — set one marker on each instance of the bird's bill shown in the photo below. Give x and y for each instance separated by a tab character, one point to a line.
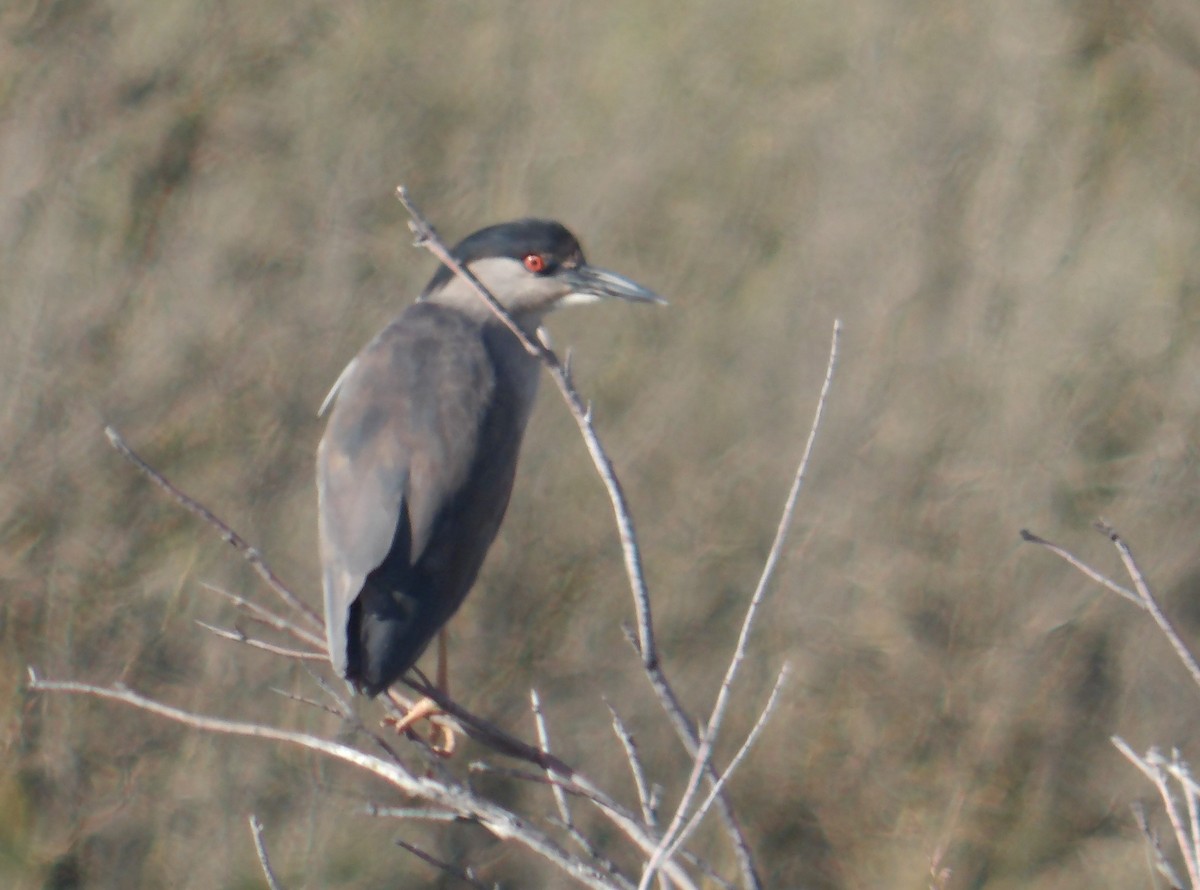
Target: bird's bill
589	284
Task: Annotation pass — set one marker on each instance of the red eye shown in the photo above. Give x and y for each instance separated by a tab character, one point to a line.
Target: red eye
535	262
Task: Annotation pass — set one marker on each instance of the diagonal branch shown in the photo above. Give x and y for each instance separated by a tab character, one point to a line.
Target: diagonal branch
265	616
454	871
260	848
647	796
694	822
238	635
250	554
1149	603
1151	767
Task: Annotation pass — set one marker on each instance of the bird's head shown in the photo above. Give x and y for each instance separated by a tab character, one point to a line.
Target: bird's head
531	267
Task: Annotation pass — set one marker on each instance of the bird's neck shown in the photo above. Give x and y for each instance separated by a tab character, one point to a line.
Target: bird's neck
462	297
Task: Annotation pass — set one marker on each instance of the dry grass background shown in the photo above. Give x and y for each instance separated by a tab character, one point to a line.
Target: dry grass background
1002	201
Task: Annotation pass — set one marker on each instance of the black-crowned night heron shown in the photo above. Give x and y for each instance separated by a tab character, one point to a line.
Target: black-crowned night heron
416	465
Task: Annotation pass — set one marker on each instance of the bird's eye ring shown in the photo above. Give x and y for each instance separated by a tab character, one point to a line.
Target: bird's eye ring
535	262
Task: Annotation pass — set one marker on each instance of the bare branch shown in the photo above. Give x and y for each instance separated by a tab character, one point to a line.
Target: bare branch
498	821
678	832
1161	864
300	699
228	535
418	814
1084	568
645	796
260	847
1150	604
703	754
751	738
560	797
776	551
1151	766
238	635
265	616
454	871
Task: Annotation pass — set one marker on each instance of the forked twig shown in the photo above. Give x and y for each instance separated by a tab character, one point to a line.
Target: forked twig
560	796
1161	864
694	822
1082	567
1149	603
1152	767
1185	823
266	617
702	759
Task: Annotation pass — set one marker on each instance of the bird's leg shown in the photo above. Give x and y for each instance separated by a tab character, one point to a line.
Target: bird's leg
427	709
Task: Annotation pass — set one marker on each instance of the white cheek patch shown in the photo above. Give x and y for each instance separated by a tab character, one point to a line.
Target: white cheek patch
576	298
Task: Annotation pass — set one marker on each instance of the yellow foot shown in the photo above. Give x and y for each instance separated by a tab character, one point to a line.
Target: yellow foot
442	740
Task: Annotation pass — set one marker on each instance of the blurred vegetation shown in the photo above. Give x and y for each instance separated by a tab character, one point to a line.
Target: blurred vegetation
1002	201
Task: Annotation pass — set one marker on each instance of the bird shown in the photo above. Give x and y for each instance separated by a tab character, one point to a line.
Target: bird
417	461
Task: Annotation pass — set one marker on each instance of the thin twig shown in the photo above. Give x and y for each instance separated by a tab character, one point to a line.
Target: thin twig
578	786
260	847
417	814
351	719
560	797
703	755
303	700
265	616
645	797
231	537
1150	603
1151	768
679	831
238	635
1080	566
1178	770
453	870
751	738
1161	864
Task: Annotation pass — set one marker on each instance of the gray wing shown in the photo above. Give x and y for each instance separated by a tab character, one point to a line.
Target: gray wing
401	440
